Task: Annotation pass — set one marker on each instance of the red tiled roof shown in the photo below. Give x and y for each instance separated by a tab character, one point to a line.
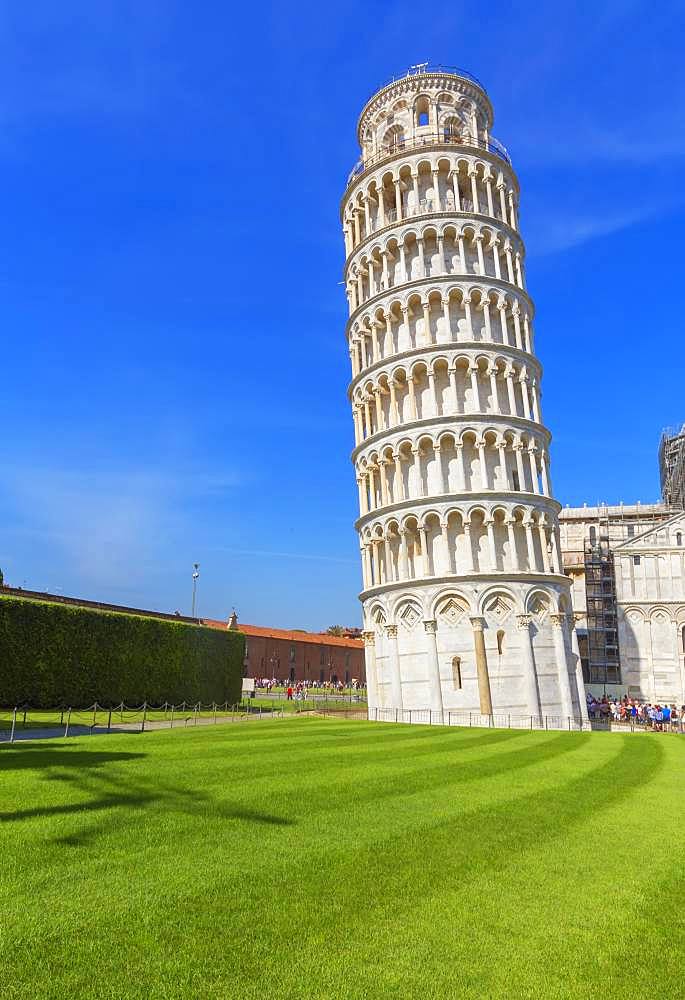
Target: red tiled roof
293	635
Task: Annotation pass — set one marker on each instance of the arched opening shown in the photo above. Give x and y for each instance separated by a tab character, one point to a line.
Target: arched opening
451	128
456	673
679	538
422	111
500	642
393	138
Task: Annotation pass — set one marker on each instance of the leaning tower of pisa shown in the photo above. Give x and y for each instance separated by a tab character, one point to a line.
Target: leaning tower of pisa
466	607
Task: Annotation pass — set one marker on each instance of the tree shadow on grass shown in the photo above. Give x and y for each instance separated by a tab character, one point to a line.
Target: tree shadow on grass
46	757
97	788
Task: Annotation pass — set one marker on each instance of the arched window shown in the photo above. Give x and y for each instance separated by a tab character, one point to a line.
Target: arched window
679	538
451	129
456	673
593	535
500	641
393	138
422	111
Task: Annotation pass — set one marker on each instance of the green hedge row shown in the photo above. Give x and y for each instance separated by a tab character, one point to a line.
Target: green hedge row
57	654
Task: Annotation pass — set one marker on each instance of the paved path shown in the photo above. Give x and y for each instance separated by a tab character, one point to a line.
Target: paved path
180	722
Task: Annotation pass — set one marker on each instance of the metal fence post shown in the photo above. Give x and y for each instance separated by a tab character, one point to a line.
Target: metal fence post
142	725
66	728
109	721
469	720
214	706
14	723
95	717
172	717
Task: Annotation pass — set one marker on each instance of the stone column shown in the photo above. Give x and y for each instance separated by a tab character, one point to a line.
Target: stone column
532	697
518	450
363	506
492	548
523	381
484	696
511	394
488	192
381	206
397	484
415	187
455	188
533	469
424	551
447	565
398	199
514	556
575	648
473	370
485	306
389	574
558	623
479	251
502	309
446	314
480	445
427	336
382	463
532	562
542	532
495	258
394	413
395	673
412	397
370	660
461	458
502	200
404	555
470	567
453	387
474	191
422	258
434	686
492	372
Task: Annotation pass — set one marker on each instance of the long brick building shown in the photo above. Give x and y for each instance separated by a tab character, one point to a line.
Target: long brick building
290	654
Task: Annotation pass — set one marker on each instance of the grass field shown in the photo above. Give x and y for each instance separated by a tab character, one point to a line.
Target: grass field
338	859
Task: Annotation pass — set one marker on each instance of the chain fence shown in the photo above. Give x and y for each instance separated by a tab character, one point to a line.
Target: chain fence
24	722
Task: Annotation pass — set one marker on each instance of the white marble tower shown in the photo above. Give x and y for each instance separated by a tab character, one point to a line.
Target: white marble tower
466	607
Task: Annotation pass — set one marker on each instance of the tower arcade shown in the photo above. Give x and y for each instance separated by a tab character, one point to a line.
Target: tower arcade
464	599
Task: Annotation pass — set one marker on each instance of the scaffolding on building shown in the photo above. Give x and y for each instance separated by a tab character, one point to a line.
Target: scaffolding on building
672	467
603	660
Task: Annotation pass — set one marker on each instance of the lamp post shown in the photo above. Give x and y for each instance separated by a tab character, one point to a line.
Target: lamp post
196	574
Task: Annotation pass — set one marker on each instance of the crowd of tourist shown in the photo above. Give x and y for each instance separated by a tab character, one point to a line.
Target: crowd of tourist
631	711
304	687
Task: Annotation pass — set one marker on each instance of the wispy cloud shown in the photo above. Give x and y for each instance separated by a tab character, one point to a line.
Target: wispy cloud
284	555
557	233
106	527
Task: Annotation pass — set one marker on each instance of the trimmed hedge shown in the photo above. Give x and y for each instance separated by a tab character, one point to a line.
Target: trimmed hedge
57	654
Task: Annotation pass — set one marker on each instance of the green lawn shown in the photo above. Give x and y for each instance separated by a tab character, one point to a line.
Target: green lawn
337	859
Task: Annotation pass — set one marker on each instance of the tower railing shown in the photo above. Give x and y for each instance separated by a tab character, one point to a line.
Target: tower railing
428	139
430	69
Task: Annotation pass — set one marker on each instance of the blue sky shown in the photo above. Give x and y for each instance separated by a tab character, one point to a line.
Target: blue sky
173	365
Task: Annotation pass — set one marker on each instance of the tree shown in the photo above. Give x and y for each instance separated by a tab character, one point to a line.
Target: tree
2	579
335	630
